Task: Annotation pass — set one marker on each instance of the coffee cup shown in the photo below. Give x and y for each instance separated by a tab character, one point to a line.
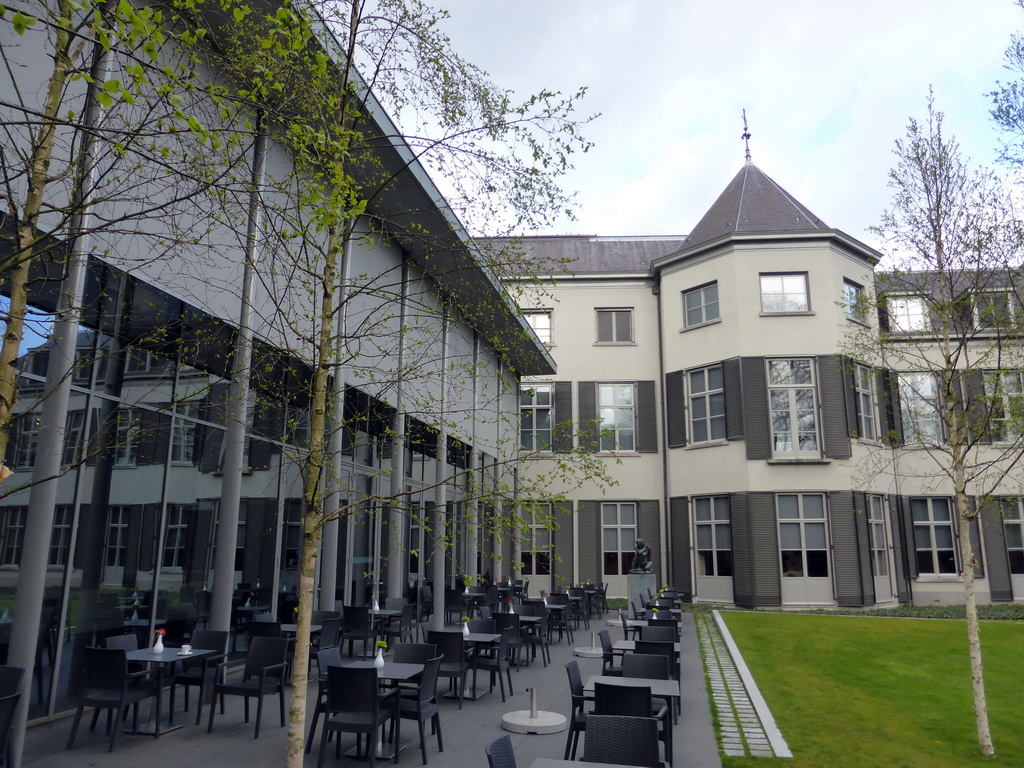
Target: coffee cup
186	648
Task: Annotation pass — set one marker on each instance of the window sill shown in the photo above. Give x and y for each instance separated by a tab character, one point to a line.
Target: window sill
799	461
705	444
620	454
686	328
939	578
615	344
802	313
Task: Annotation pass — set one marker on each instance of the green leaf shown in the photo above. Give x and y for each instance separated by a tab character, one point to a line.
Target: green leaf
112	86
104	98
21	22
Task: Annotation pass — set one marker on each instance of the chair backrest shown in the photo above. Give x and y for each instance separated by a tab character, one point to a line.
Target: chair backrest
106	669
508	621
413	653
10	680
357	618
622	740
265	652
500	753
352	689
450	645
607	653
636	614
653	667
658	634
123	642
8	704
558	598
572	668
483	626
330	631
405	621
328	657
625	625
611	699
427	690
658	648
207	639
264	629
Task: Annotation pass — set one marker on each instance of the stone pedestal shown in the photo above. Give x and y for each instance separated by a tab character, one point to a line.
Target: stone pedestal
638	584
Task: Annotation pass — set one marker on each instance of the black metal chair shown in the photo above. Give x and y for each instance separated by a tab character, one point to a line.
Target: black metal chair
482	626
354	705
264	674
658	634
358	626
578	607
608	654
413	653
109	686
511	621
402	628
500	753
10	693
420	704
661	648
672	624
628	630
634	702
651	667
558	615
329	657
622	740
538	634
329	637
193	672
497	663
578	717
455	663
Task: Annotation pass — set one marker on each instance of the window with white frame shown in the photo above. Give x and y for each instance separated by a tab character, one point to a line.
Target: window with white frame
707	404
536	543
139	361
700	305
126	446
614	326
535	417
1006	395
60	535
877	537
74	426
116	547
803	534
183	432
174	536
793	408
1013	530
14	534
784	293
854	301
919	408
933	536
618	537
615	404
714	536
864	392
26	440
993	311
540	321
907	313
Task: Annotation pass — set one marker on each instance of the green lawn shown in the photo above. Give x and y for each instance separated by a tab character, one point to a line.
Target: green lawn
859	691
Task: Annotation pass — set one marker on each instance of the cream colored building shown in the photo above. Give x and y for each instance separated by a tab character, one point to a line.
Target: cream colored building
748	448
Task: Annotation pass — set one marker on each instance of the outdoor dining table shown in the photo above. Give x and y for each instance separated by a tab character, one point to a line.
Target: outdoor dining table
549	762
168	657
293	629
474	638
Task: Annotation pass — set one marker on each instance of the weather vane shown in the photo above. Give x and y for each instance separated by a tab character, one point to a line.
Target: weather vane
746	135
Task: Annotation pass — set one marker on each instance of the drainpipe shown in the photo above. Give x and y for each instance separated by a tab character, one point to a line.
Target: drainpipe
441	480
665	473
399	504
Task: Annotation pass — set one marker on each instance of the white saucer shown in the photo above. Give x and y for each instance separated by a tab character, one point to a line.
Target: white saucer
184	653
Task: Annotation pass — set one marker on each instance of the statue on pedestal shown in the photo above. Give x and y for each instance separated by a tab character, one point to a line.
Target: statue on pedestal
642	559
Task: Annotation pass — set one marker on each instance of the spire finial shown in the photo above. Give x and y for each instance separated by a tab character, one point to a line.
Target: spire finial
746	136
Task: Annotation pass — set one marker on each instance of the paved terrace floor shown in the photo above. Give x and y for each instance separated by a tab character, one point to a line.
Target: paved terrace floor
465	732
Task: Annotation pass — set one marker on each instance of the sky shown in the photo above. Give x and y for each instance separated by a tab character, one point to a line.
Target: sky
828	86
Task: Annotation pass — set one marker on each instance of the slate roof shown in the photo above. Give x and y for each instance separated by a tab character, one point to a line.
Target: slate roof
753	203
588	254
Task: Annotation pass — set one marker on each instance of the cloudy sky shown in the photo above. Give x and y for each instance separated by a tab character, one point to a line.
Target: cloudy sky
827	86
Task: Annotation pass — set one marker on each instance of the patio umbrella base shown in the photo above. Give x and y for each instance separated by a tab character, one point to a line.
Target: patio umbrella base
523	721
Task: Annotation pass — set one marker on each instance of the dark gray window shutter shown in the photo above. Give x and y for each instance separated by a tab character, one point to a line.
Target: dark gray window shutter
977	408
649	517
847	546
679	535
733	384
755	408
646	417
562	417
834	430
134	548
588	428
999	584
742	560
889	407
850	398
589	528
605	326
902	544
908	526
675	408
975	536
764	547
147	536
